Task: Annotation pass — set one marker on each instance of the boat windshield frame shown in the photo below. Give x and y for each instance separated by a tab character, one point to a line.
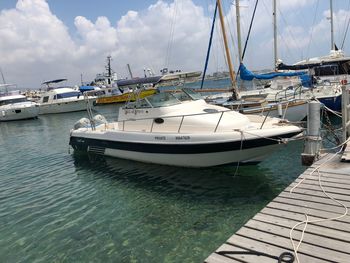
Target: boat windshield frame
165	99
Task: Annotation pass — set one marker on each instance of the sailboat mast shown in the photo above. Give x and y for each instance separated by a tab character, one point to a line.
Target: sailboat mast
238	22
227	51
274	14
109	69
332	32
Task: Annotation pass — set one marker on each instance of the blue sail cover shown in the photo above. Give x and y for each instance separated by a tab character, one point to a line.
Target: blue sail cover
245	74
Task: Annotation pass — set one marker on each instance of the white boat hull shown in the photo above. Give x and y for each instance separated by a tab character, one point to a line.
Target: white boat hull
294	112
62	106
19	112
184	149
251	156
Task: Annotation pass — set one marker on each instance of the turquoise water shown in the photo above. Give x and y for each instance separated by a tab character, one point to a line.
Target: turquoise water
58	207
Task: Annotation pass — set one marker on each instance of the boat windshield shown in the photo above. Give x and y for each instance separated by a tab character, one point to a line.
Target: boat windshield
12	101
68	95
164	99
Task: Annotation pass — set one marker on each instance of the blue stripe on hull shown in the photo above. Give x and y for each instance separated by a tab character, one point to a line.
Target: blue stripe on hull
82	144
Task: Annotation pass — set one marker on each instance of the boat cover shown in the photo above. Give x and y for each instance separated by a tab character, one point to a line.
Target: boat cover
54	81
245	74
136	81
86	88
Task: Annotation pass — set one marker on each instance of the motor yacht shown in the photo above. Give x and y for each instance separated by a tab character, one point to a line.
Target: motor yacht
181	129
15	106
62	99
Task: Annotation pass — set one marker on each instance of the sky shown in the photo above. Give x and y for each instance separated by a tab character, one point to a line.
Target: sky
49	39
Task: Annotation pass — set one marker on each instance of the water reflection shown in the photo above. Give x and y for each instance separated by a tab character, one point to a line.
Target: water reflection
206	184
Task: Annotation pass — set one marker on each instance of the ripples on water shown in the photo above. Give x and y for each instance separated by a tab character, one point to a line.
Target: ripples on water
61	207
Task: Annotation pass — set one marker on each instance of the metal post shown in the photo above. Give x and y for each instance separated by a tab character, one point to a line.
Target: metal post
345	113
312	144
275	32
331	18
238	17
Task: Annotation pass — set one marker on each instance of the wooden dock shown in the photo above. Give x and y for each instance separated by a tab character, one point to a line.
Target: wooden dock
267	235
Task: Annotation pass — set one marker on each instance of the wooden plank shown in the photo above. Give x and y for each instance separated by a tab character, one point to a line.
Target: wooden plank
313	228
328	176
216	258
336	210
324	183
317	188
308	192
241	257
317	199
310	212
275	248
315	177
310	238
300	216
305	248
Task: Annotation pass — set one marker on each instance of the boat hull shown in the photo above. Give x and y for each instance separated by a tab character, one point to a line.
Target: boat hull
186	150
332	102
62	107
22	112
130	96
294	111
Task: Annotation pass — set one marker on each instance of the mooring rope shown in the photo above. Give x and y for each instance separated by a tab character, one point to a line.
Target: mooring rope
307	221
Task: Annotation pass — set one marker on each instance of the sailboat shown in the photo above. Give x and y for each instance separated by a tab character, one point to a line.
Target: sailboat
260	101
329	72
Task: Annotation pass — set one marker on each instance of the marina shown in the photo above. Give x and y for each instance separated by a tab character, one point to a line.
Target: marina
165	156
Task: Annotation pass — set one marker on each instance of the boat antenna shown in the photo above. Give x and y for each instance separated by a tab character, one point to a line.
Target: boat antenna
274	14
130	72
109	69
209	46
2	75
332	31
227	51
238	23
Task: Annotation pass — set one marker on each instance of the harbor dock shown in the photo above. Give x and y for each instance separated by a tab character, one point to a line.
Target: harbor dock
315	205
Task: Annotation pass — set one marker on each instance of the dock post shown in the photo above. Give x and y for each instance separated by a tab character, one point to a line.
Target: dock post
345	112
312	144
345	120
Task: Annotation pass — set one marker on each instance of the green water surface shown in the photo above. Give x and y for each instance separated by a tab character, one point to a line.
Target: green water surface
59	207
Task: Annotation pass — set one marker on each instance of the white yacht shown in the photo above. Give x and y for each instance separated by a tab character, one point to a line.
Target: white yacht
181	129
62	99
15	106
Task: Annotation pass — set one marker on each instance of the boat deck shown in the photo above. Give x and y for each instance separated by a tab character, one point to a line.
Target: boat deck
267	235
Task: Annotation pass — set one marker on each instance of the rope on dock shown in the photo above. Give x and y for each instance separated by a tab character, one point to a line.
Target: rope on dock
307	221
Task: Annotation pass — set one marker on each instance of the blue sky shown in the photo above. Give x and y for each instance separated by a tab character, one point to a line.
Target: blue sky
44	39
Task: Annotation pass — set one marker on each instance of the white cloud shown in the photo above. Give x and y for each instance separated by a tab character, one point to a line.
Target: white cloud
36	45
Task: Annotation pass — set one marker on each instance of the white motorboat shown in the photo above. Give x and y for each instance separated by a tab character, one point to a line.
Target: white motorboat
62	99
181	129
15	106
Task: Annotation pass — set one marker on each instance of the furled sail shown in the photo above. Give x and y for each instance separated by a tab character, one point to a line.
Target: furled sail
246	74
